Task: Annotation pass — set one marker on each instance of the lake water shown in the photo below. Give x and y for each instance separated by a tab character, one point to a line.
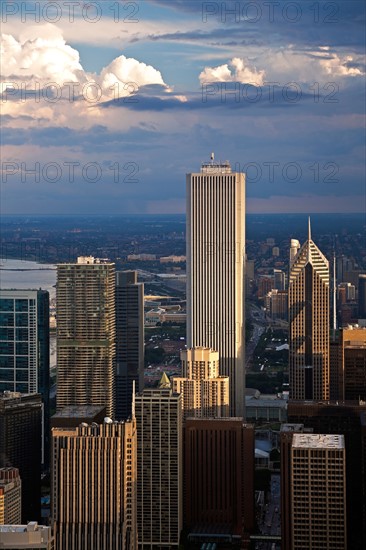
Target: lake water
27	275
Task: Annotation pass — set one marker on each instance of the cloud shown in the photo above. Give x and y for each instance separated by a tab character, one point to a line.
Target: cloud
237	70
37	62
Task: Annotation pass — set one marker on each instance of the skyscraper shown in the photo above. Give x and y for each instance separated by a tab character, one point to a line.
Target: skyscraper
362	296
129	340
25	346
215	270
317	492
94	486
308	295
218	481
86	333
205	393
159	466
20	446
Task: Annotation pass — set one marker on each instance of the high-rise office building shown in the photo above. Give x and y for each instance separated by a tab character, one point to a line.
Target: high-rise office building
279	279
86	333
10	496
205	393
348	364
93	473
308	295
218	481
317	492
21	446
349	420
362	296
129	340
215	270
25	346
159	466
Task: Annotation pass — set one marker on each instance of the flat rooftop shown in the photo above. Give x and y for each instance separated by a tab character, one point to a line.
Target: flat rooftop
81	411
317	441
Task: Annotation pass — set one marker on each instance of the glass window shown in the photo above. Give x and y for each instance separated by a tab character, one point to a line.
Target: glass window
6	361
6	304
21	375
21	305
22	348
6	348
21	334
22	362
7	375
21	319
23	388
7	319
6	333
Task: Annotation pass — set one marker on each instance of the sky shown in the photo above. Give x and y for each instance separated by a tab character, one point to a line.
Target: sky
106	106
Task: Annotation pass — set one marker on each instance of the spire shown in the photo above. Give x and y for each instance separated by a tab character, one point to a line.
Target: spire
164	382
309	229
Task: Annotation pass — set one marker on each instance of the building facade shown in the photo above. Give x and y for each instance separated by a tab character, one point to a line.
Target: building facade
25	347
348	364
215	270
160	467
86	334
219	481
94	486
10	497
129	340
308	302
318	492
21	446
205	393
345	418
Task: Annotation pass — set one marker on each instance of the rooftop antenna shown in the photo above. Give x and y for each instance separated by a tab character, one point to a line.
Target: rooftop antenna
309	229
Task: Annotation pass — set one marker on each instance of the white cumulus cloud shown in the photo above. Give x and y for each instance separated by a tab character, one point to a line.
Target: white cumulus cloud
237	70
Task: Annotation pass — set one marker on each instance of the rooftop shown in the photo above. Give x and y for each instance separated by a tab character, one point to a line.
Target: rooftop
82	411
317	441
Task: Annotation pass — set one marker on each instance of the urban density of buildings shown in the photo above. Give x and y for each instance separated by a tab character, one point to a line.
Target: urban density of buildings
195	460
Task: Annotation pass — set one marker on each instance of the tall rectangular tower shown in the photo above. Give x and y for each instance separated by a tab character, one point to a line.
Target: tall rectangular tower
215	270
218	480
25	346
129	340
94	486
318	492
159	466
21	446
308	298
10	496
86	333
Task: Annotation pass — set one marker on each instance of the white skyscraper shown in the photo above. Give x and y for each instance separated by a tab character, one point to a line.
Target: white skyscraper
215	270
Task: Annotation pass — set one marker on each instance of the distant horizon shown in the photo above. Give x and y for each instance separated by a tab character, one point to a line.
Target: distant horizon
91	214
